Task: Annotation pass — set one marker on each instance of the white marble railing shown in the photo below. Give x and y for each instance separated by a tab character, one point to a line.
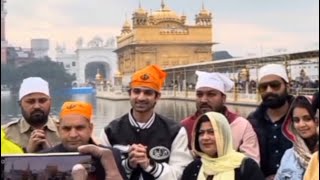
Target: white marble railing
239	98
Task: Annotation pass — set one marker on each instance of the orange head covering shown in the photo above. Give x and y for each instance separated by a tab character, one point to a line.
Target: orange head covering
151	76
77	107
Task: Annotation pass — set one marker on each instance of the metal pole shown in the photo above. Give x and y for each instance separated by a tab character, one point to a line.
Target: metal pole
185	83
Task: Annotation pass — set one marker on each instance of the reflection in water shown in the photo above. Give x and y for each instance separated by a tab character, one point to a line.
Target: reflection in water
9	107
105	110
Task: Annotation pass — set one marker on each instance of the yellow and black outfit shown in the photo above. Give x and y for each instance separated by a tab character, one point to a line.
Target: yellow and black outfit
8	147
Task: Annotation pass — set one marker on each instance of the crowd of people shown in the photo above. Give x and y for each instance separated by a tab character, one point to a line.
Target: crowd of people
278	141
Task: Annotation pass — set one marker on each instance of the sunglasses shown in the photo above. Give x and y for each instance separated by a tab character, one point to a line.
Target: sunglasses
147	92
275	85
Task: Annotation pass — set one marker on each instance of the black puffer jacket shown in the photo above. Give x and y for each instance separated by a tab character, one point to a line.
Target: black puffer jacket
272	146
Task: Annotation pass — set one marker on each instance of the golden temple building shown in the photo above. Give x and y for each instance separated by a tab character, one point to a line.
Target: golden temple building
162	37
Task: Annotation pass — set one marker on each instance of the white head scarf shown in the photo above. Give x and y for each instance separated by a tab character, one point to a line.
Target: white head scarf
214	80
33	85
273	69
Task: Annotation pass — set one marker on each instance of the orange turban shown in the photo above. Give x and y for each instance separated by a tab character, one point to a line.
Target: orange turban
77	107
151	76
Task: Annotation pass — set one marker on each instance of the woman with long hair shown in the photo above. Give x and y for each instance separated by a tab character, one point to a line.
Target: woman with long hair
300	127
212	143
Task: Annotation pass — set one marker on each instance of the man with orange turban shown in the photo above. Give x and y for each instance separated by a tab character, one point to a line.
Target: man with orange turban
154	147
75	129
75	126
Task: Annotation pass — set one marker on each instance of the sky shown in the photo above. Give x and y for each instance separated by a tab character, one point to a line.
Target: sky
246	27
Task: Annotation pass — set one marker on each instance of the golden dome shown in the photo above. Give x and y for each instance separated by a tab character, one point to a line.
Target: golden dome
165	13
98	76
140	10
126	24
204	12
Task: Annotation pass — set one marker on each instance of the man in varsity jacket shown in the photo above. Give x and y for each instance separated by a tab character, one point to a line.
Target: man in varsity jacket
152	146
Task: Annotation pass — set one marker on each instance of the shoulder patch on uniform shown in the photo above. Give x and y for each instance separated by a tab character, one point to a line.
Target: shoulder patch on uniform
159	153
10	123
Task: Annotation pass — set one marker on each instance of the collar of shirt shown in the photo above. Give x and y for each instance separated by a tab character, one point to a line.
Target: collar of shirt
147	125
268	120
25	126
231	116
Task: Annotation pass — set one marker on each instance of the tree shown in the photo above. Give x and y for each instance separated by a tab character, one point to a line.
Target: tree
51	71
9	75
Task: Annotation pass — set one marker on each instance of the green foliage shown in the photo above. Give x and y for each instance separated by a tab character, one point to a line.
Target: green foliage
53	72
8	74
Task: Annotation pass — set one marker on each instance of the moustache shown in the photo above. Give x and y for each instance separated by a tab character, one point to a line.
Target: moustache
271	96
141	102
35	112
205	106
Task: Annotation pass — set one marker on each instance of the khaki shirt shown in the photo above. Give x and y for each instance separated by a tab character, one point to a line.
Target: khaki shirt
19	131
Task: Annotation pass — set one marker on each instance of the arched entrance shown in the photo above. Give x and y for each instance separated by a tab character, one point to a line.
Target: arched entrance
93	59
93	68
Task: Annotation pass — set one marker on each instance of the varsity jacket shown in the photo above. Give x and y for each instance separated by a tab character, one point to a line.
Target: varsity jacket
166	141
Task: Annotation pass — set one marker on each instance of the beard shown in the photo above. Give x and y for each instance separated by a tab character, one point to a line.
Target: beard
36	118
274	101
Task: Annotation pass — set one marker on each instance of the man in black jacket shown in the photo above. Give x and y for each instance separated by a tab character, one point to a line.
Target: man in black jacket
268	118
153	146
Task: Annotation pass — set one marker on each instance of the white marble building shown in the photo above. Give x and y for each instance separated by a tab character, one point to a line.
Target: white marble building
96	51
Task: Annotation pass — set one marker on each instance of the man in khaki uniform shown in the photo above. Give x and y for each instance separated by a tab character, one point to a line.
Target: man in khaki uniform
35	131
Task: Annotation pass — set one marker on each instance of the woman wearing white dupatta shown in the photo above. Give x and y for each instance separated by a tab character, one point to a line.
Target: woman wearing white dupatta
212	142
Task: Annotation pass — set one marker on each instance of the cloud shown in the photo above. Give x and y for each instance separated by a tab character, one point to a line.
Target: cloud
52	20
242	39
240	27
